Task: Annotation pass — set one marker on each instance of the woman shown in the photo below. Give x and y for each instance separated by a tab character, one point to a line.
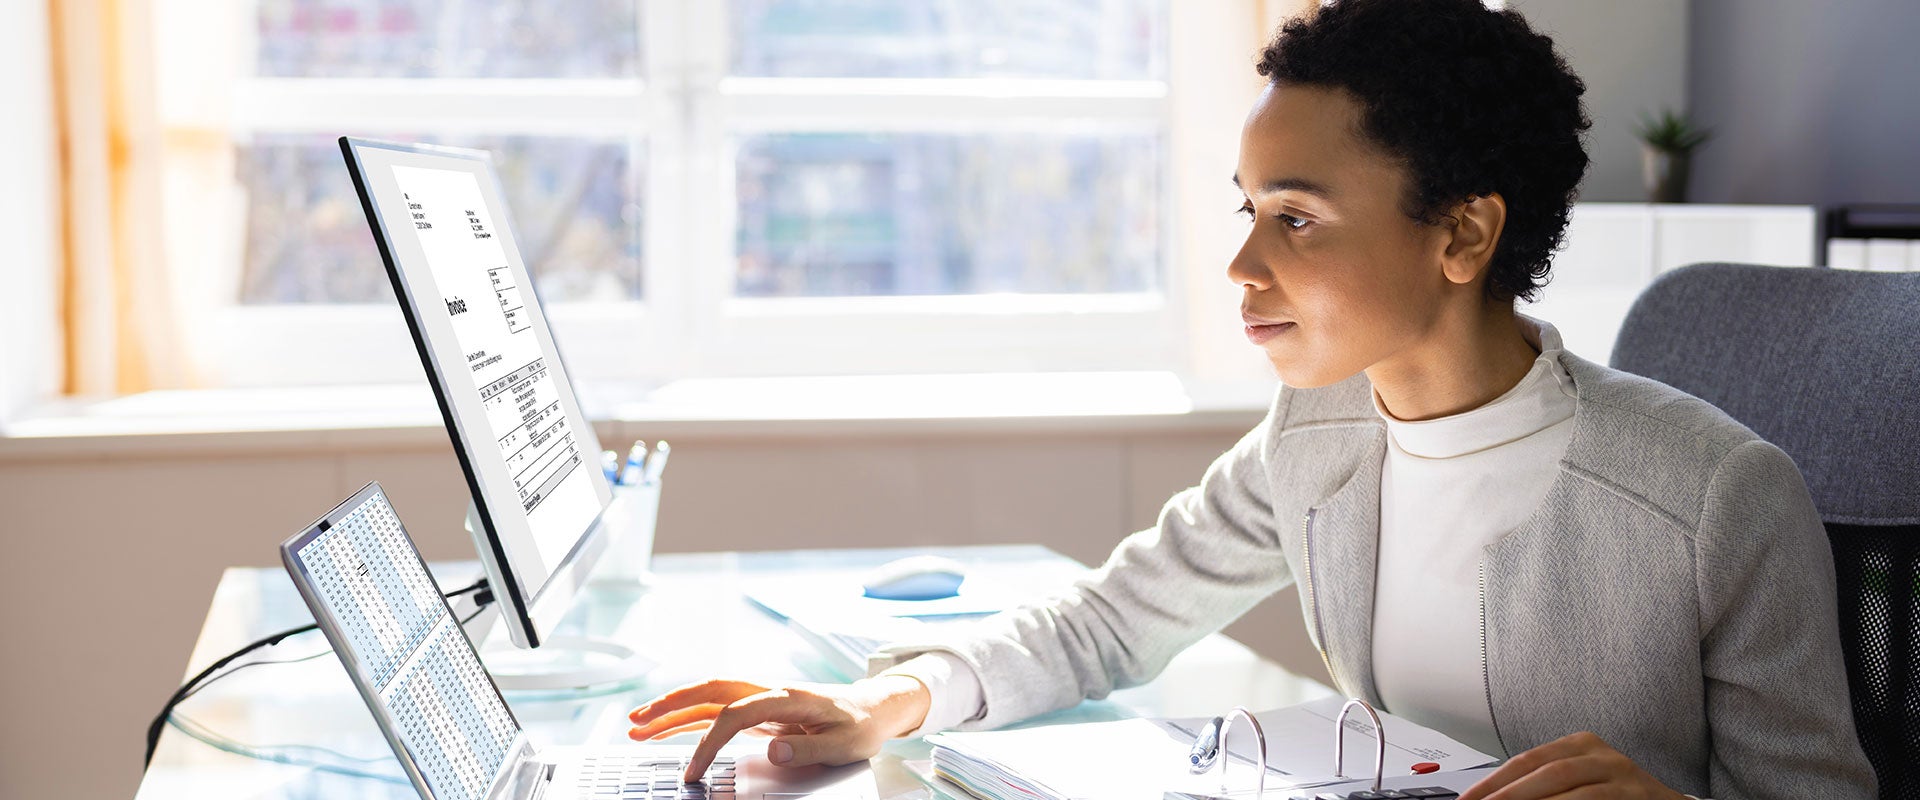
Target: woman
1611	581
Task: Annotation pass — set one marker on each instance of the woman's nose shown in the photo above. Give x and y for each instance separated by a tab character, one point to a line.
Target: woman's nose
1248	269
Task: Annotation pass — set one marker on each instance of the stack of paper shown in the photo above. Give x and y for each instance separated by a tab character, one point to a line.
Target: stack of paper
1146	758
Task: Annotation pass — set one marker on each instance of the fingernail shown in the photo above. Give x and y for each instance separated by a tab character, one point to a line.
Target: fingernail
779	752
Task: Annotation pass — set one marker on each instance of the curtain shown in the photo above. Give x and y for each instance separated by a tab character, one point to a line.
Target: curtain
118	302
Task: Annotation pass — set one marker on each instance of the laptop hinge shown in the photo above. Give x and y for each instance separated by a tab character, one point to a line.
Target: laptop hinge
525	776
542	778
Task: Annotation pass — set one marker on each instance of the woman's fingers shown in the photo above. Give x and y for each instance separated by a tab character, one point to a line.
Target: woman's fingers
1557	778
676	718
777	706
1524	764
692	727
833	748
1578	765
704	712
715	692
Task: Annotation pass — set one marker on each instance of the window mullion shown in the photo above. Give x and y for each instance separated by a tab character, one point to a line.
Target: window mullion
710	195
670	180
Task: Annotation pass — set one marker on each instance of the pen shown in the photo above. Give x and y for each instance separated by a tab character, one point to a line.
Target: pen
658	463
636	463
1206	746
610	464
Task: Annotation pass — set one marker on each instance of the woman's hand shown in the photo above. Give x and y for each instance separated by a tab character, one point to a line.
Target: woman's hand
1574	767
810	724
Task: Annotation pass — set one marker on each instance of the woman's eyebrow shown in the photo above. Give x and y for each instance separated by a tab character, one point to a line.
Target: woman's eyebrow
1289	184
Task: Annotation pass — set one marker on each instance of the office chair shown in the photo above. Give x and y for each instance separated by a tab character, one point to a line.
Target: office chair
1825	364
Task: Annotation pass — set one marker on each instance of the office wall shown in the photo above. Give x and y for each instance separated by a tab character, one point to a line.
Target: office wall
1810	102
29	362
109	571
1632	54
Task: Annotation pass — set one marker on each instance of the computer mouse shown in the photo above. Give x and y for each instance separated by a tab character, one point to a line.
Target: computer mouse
915	578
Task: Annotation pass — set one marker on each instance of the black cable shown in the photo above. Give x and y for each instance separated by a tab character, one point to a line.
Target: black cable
160	722
197	682
468	589
242	667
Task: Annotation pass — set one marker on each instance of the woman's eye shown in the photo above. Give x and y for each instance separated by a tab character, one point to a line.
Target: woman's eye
1291	222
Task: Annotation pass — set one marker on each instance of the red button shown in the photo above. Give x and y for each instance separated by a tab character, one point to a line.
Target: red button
1425	767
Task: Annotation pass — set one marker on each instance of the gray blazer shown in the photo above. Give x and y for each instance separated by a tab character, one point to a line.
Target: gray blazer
1674	592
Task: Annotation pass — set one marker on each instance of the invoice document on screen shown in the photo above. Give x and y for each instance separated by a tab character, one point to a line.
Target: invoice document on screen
485	302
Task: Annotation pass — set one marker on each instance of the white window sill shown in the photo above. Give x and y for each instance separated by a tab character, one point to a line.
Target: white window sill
350	417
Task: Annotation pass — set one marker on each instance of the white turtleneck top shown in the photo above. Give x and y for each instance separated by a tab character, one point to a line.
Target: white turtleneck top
1450	487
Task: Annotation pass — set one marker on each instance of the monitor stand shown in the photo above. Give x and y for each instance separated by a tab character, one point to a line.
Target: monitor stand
561	663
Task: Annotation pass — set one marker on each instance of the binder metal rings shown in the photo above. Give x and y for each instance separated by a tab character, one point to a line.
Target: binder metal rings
1340	742
1260	744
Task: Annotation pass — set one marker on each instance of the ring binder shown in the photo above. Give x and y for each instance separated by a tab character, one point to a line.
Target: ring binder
1260	745
1074	761
1340	742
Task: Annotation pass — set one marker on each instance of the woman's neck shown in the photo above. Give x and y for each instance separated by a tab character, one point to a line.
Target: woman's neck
1464	362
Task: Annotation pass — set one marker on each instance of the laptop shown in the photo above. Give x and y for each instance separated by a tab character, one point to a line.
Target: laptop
441	712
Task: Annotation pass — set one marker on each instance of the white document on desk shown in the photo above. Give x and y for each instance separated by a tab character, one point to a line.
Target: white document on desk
1074	761
1300	741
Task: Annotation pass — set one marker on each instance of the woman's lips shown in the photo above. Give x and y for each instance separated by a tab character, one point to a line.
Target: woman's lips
1265	332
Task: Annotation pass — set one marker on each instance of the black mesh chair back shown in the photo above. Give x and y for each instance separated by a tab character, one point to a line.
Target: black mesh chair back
1825	364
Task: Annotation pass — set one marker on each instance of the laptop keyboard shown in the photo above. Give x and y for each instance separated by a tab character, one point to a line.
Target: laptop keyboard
640	777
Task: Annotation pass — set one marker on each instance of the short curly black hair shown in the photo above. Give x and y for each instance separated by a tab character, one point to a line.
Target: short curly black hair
1471	101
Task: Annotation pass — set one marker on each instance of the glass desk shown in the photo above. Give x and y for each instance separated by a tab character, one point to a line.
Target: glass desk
689	615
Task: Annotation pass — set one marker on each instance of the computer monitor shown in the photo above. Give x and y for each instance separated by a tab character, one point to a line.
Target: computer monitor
543	511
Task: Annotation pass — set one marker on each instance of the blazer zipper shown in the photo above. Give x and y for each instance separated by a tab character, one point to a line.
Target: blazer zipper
1486	678
1313	606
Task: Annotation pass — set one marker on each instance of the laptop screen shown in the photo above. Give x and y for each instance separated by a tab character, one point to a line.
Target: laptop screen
386	619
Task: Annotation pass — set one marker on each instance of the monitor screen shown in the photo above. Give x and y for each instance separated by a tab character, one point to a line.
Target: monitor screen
529	454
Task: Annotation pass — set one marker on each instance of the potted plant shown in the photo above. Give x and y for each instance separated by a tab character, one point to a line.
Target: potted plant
1667	143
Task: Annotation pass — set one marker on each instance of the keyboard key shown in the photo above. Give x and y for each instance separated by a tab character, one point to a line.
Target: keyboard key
1431	793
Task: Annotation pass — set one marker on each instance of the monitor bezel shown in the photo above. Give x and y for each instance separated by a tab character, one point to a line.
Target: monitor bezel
529	620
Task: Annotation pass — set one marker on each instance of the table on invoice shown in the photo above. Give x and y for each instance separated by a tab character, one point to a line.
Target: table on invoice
690	616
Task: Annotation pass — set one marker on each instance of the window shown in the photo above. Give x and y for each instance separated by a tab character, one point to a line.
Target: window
700	187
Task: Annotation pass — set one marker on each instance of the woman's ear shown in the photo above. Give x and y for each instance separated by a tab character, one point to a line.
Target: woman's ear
1473	233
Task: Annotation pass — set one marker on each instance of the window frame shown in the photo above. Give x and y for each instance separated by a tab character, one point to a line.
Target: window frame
691	113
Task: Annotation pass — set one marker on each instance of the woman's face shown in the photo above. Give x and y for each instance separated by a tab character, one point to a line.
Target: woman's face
1337	277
